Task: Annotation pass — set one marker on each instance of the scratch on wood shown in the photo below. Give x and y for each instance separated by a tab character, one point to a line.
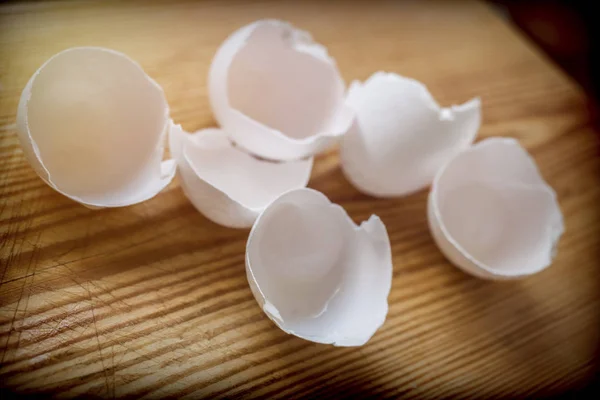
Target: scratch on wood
98	340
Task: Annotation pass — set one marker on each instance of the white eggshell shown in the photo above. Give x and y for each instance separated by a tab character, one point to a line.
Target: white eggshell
227	185
92	124
401	136
315	273
492	214
276	93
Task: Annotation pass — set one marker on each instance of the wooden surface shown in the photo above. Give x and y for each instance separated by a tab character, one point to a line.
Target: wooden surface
152	300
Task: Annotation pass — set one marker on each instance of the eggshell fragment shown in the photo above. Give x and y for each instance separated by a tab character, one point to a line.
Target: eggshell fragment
492	214
227	185
92	125
276	93
315	273
401	136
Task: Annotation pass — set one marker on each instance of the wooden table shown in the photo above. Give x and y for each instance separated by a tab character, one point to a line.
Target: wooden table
152	300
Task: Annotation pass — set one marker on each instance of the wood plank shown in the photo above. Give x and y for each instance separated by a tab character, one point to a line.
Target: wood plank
152	300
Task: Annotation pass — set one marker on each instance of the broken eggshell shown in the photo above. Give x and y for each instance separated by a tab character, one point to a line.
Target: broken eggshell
92	124
276	93
401	136
227	185
315	273
492	214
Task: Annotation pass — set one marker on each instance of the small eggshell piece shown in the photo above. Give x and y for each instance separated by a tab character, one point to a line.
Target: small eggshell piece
492	214
401	137
315	273
92	124
227	185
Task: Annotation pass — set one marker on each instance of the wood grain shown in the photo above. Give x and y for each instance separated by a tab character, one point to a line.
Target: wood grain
152	300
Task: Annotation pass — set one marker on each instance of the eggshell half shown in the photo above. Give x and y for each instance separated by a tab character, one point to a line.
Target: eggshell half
401	137
315	273
492	214
92	124
277	93
227	185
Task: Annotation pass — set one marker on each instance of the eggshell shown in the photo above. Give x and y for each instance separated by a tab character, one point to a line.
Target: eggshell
492	214
277	93
227	185
92	124
401	137
315	273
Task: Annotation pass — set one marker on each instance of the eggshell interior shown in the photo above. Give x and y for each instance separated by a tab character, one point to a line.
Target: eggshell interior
273	82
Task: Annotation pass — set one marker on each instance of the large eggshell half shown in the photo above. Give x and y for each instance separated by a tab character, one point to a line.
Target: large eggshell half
276	93
315	273
492	214
227	185
401	136
92	125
